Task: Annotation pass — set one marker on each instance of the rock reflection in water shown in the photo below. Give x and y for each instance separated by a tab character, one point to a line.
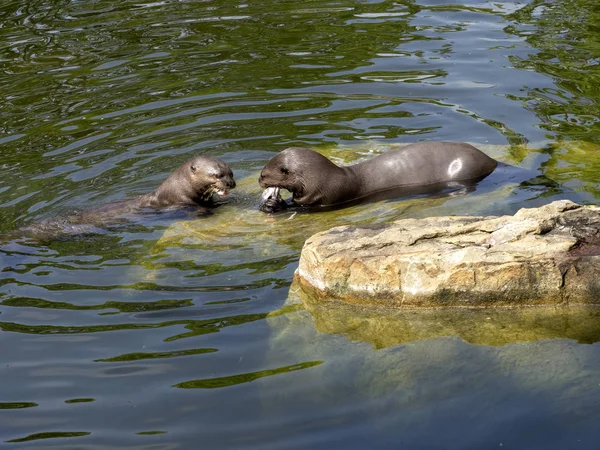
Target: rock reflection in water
384	327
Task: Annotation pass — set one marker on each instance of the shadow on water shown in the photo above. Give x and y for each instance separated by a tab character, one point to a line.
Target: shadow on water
396	371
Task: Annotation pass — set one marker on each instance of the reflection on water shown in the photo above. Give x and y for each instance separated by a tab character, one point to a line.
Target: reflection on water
243	378
172	330
501	326
397	374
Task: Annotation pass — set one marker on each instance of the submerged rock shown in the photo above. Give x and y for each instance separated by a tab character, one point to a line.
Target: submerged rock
548	255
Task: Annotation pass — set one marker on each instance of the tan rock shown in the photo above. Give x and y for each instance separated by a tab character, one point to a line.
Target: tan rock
547	255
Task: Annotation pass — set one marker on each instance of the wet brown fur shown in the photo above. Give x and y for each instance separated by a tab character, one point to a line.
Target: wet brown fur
316	181
191	184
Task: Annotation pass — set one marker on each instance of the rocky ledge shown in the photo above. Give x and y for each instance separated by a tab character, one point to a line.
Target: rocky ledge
540	256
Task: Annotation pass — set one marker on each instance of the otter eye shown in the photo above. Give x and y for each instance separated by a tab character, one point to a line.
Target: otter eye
285	170
193	168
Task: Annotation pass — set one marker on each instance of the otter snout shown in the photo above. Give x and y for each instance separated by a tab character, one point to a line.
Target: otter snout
229	182
266	181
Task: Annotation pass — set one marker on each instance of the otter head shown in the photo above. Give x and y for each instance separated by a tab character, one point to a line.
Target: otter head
194	182
208	175
301	171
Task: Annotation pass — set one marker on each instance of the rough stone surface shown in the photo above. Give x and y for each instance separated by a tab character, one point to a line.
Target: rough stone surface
548	255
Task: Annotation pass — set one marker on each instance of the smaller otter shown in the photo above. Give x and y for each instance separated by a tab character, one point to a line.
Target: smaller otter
315	181
191	185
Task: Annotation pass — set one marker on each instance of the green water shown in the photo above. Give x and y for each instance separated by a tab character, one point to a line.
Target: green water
181	332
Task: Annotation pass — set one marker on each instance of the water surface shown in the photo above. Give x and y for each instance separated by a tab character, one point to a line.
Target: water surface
181	332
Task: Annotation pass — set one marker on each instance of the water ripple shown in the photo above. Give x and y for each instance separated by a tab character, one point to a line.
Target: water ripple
171	330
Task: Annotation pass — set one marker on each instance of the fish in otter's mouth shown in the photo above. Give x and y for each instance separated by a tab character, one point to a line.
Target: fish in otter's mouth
222	192
271	200
208	194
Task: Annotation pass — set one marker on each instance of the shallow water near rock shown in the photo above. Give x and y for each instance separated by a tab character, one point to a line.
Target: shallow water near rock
177	331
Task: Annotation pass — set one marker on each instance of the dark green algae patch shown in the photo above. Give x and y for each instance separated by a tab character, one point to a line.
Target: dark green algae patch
222	382
17	405
80	400
50	435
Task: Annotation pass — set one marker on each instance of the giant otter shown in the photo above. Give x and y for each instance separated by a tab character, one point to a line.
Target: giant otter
191	185
314	180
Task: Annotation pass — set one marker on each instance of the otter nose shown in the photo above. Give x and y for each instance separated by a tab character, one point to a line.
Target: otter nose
228	181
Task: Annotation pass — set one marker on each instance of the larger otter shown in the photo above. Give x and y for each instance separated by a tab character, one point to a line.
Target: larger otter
191	185
314	180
